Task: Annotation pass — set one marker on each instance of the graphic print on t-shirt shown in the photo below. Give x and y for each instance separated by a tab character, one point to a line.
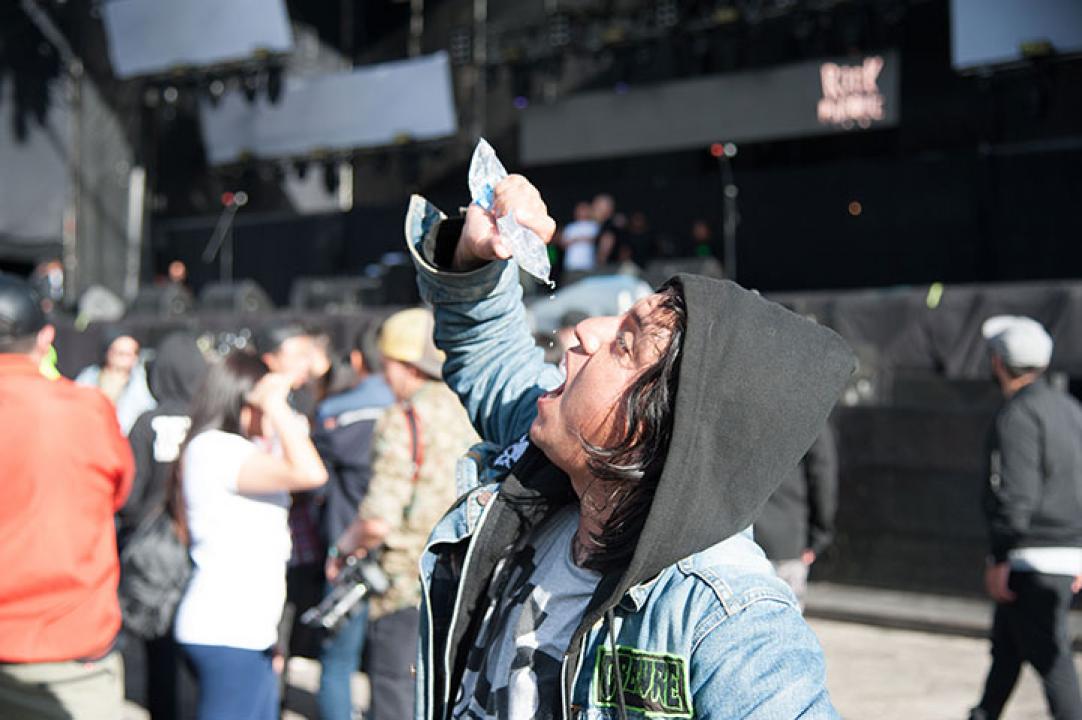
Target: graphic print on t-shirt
536	601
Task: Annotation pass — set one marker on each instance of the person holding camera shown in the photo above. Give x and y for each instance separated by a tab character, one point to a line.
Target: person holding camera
415	447
343	433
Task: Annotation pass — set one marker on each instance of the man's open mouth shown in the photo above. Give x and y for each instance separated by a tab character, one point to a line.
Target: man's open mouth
557	391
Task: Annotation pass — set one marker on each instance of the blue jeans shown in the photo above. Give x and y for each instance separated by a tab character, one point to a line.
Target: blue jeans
234	684
340	656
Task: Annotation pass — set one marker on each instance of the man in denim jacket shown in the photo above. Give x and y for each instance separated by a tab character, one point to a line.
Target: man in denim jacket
602	566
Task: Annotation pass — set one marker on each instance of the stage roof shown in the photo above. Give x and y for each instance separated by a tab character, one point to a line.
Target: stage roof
369	107
152	37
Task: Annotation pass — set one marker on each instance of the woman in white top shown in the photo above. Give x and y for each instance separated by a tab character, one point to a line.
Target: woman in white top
232	497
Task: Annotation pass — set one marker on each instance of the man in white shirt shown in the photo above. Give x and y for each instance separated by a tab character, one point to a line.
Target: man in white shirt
577	240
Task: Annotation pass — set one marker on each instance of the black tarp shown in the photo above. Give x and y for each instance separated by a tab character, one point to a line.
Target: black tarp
273	250
936	329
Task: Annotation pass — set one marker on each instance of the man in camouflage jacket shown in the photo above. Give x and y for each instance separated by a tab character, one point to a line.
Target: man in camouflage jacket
416	445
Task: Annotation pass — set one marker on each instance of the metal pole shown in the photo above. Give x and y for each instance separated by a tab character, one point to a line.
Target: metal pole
729	193
221	240
226	267
346	30
417	26
137	181
72	214
480	61
73	210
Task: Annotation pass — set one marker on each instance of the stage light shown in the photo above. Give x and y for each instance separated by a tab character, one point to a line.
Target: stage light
717	150
274	84
730	149
559	31
461	46
170	95
521	102
250	85
855	208
667	14
234	199
330	177
215	90
725	15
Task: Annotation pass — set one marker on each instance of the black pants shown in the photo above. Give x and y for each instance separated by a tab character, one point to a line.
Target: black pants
157	677
1033	629
390	653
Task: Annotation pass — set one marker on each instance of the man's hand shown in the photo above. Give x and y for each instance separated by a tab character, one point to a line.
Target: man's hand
335	562
995	582
372	533
807	557
332	567
480	241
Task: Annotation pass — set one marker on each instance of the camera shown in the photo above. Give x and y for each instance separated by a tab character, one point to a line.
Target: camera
358	579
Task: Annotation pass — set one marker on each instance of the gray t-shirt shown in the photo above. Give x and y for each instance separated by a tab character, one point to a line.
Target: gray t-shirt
536	601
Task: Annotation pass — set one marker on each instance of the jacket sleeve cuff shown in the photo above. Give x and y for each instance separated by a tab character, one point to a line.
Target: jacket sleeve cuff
431	244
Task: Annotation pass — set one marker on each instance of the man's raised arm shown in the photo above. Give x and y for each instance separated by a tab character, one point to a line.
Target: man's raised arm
464	270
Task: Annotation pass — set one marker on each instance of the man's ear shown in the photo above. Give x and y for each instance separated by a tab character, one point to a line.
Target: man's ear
45	340
999	369
356	361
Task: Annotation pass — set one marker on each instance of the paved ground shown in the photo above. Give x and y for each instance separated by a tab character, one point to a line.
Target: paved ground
884	674
873	673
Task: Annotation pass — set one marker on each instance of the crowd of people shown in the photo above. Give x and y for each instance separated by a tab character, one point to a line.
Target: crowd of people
269	461
582	538
598	235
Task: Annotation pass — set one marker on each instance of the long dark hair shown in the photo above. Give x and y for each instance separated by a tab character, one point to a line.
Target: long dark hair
216	405
632	465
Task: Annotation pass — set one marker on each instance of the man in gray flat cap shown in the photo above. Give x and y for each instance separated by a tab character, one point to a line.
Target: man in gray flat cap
1034	508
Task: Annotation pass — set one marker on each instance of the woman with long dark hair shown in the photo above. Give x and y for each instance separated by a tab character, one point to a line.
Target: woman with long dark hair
245	452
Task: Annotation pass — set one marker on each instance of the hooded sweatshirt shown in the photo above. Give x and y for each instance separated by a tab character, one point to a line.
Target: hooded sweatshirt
756	383
174	376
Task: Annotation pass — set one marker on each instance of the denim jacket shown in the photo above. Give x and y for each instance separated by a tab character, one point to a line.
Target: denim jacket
715	635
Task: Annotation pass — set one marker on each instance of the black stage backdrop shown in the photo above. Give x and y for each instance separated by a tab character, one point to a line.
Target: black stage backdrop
274	250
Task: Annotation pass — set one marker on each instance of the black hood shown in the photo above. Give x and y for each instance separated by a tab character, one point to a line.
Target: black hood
756	385
177	369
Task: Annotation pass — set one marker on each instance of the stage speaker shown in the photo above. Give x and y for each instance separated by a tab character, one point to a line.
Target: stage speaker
330	294
659	270
243	296
169	300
